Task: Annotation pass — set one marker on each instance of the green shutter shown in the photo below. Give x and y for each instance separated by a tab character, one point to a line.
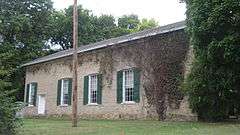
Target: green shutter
27	93
136	96
35	93
119	86
59	92
99	89
70	91
85	90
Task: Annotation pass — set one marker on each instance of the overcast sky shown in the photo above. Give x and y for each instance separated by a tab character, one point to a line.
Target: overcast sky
164	11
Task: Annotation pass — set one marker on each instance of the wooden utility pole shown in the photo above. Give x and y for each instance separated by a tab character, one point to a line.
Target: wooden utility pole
75	61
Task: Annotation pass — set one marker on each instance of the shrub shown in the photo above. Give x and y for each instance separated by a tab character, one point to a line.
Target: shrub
214	82
8	109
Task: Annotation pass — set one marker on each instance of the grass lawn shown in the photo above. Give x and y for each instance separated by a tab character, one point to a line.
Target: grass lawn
103	127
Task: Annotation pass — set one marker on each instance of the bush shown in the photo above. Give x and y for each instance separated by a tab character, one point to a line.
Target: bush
8	109
214	82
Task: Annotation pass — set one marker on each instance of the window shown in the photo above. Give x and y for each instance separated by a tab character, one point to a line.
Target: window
64	92
128	84
31	94
92	89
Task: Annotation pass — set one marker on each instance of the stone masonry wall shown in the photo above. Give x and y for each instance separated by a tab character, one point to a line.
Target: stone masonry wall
106	61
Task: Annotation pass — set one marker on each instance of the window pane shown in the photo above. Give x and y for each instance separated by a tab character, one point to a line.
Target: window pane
31	98
128	88
93	88
65	92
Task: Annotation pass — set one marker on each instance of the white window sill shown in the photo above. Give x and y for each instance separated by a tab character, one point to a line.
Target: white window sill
128	103
65	105
92	104
30	106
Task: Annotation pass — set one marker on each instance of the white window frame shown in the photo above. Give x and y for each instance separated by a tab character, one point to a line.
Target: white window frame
124	89
29	95
89	89
61	100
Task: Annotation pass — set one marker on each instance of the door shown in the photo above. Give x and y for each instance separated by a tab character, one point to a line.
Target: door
41	104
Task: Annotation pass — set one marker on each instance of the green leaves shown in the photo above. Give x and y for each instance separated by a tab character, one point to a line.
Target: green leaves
213	83
147	24
128	21
8	109
24	30
92	28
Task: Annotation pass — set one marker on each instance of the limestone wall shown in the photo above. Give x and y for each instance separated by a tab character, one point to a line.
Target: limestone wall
107	62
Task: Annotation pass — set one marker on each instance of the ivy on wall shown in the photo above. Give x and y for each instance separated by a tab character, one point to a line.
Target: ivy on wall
161	60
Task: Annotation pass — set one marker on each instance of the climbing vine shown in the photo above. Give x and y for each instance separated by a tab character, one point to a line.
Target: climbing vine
162	64
161	60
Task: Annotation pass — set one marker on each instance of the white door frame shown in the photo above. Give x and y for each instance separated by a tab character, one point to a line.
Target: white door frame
41	104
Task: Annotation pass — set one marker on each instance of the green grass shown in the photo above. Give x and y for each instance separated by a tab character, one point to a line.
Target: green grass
103	127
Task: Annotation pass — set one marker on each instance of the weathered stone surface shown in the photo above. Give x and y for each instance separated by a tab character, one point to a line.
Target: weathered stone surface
183	113
108	61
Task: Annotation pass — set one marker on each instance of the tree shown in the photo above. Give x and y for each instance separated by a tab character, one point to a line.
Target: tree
91	28
130	24
106	26
128	21
61	30
214	82
23	35
147	24
23	31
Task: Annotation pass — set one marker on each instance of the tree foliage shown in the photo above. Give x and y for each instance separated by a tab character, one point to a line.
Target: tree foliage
23	34
24	30
147	24
93	28
214	82
128	21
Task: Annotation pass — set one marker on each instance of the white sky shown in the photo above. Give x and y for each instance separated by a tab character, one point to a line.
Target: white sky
164	11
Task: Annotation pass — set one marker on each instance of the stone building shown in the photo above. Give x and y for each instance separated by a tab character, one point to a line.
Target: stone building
136	76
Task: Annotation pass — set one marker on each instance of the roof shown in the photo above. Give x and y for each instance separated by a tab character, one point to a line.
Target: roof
110	42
